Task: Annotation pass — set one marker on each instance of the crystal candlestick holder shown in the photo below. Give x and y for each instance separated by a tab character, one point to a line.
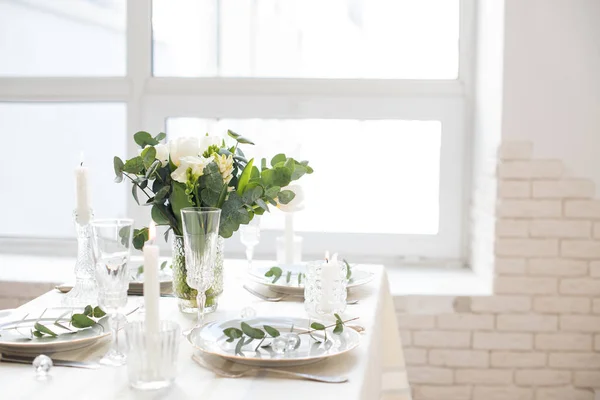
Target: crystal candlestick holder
325	289
85	290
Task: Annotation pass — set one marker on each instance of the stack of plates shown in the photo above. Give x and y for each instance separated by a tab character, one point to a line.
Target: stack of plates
290	284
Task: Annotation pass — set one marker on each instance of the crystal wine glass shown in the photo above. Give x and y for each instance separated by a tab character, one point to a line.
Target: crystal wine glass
200	234
250	236
111	242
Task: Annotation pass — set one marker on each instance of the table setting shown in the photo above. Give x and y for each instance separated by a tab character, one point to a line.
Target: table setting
199	325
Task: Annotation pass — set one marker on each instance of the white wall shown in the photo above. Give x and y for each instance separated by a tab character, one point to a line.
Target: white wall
552	80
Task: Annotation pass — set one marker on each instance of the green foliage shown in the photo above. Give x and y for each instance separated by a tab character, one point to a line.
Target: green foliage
271	331
285	196
274	272
80	321
140	236
348	270
254	189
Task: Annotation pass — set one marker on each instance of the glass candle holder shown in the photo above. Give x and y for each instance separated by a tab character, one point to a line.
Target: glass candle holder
325	288
152	361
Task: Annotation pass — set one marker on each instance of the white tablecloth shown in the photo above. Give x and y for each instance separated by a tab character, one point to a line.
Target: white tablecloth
379	355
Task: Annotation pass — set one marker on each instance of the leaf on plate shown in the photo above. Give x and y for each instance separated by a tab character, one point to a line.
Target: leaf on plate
82	321
238	346
271	331
98	312
317	326
254	333
41	328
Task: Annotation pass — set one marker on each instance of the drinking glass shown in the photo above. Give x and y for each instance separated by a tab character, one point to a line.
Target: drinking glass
250	236
200	233
152	361
111	242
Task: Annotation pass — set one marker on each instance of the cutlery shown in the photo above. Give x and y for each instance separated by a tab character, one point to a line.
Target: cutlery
238	374
58	363
282	296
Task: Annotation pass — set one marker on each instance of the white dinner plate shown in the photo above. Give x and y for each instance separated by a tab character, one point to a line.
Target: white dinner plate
292	286
210	339
22	342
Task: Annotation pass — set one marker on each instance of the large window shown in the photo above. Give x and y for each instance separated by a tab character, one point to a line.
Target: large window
374	93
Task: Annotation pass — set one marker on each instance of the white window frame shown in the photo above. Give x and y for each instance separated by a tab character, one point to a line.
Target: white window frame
150	100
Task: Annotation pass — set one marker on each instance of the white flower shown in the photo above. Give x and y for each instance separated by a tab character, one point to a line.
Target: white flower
297	202
207	141
225	164
162	152
196	164
183	147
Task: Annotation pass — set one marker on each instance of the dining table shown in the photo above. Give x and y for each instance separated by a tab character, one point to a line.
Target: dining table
375	369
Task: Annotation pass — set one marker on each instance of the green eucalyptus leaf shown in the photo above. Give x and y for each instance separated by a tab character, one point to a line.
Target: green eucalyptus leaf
277	176
158	216
285	196
134	193
88	310
245	177
272	192
239	345
134	165
252	194
337	317
232	134
339	328
160	136
263	164
271	331
162	193
140	236
298	171
288	276
233	333
37	334
82	321
244	140
261	203
148	156
348	270
277	159
233	214
179	199
254	333
163	265
41	328
317	326
143	139
153	168
98	312
118	166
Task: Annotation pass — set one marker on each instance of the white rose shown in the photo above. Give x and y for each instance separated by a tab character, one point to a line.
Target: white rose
196	164
225	164
162	153
297	202
207	141
183	147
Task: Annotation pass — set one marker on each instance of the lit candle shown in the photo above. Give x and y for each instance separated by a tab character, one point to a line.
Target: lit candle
330	272
151	290
83	204
289	238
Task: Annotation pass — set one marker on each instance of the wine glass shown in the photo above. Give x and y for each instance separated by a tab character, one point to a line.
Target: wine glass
250	236
200	234
111	242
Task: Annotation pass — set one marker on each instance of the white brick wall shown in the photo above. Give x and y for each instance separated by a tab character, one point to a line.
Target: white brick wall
538	337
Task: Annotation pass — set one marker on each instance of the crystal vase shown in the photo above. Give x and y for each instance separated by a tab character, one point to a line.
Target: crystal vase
186	295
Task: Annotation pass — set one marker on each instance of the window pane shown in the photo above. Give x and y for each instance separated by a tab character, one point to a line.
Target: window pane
307	38
43	146
370	176
62	38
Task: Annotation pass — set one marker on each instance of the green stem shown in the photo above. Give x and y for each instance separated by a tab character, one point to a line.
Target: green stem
137	184
328	326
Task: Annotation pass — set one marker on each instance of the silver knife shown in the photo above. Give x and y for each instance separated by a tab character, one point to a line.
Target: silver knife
18	359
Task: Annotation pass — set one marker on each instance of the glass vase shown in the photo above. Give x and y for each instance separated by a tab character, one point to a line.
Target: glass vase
186	295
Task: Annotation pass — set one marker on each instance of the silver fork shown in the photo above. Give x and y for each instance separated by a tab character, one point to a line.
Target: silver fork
238	374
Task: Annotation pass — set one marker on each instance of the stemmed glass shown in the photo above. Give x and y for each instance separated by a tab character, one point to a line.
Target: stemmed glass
111	242
200	233
250	236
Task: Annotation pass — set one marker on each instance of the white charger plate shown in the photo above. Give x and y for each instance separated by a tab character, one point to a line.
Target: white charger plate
19	342
210	340
359	277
